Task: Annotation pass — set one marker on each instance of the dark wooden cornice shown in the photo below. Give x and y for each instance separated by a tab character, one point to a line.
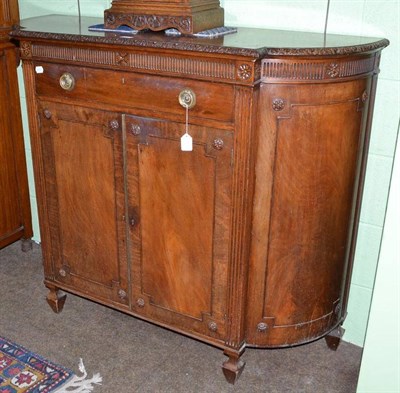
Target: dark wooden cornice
193	45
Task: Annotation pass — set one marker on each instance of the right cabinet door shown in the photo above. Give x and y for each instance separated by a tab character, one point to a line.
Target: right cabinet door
179	221
311	143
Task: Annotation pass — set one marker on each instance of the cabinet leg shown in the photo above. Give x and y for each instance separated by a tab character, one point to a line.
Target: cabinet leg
334	338
56	299
26	245
233	367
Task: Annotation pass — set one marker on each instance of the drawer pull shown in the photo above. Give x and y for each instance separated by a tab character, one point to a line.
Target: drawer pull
187	98
67	81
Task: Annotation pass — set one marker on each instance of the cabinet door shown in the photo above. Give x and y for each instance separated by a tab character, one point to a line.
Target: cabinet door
304	209
84	185
179	204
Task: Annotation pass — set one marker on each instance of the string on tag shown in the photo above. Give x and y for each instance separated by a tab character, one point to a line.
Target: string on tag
186	139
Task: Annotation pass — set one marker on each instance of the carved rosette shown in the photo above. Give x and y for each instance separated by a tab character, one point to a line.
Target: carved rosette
262	327
26	50
64	271
122	294
140	302
332	70
114	125
245	72
278	104
212	326
152	22
122	59
135	129
47	114
218	144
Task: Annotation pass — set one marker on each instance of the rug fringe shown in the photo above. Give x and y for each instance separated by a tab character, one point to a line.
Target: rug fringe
79	384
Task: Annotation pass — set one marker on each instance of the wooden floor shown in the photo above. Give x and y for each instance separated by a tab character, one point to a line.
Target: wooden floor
135	356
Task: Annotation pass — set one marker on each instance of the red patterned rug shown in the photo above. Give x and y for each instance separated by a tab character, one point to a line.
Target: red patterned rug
22	371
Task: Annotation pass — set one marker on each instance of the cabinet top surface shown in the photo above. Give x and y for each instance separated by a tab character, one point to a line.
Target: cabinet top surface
251	42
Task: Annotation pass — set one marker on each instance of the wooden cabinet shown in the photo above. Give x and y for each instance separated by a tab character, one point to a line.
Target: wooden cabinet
248	239
15	215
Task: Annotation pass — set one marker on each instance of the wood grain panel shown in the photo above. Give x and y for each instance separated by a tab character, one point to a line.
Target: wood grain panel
314	170
86	211
177	263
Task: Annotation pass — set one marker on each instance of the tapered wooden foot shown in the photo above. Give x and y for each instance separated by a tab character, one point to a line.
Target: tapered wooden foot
56	299
233	367
334	338
26	245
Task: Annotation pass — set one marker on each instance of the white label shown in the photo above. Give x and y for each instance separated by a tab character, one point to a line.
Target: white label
39	69
186	143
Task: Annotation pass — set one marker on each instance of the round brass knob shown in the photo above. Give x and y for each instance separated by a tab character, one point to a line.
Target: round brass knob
187	98
67	81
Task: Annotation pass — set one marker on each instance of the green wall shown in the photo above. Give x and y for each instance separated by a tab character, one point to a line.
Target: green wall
380	367
354	17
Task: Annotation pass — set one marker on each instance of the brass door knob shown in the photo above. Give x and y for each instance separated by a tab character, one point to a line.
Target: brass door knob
67	81
187	98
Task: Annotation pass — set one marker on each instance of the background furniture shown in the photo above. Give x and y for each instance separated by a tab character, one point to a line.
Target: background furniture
248	240
15	214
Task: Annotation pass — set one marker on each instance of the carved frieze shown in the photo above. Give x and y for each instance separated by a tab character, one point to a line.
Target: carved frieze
308	70
205	68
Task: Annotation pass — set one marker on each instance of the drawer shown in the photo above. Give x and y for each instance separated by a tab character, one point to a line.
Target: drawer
133	90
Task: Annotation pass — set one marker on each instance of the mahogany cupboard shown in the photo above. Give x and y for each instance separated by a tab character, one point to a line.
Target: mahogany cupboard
15	214
248	239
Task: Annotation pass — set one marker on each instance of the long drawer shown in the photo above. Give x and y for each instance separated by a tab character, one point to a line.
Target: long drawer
156	93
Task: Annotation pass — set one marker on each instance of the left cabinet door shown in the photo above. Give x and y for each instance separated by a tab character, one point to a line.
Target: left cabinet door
84	192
